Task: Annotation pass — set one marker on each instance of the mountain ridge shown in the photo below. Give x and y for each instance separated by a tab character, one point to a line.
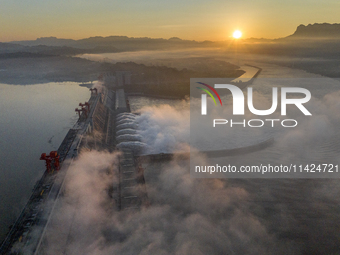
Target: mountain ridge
317	30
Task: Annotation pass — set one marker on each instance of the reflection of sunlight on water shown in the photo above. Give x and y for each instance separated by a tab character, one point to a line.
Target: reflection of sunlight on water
249	73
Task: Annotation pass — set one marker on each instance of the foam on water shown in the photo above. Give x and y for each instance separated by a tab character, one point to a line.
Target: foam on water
126	131
136	147
127	125
129	137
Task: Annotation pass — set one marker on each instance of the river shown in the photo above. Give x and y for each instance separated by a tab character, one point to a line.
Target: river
33	119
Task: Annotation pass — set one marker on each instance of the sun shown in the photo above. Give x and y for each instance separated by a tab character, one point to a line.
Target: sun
237	34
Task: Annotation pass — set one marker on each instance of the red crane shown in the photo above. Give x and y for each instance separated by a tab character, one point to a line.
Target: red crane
83	110
87	104
53	157
94	91
48	161
78	110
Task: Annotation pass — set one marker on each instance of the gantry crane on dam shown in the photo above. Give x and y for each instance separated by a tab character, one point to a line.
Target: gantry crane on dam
28	233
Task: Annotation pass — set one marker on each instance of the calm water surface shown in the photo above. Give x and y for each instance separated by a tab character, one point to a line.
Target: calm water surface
33	119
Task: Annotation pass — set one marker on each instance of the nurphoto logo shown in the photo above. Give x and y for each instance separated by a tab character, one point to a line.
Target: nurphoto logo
238	104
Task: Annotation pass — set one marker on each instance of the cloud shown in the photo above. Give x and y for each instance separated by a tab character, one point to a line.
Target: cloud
187	216
193	216
165	128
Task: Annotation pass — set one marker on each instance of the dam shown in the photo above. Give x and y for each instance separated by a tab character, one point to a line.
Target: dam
94	130
105	123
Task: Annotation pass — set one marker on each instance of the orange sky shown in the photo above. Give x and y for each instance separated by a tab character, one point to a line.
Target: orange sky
187	19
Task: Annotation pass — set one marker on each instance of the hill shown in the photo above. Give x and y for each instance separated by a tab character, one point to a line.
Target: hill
115	43
319	31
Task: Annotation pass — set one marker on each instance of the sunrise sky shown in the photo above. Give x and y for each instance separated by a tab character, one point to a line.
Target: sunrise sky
187	19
